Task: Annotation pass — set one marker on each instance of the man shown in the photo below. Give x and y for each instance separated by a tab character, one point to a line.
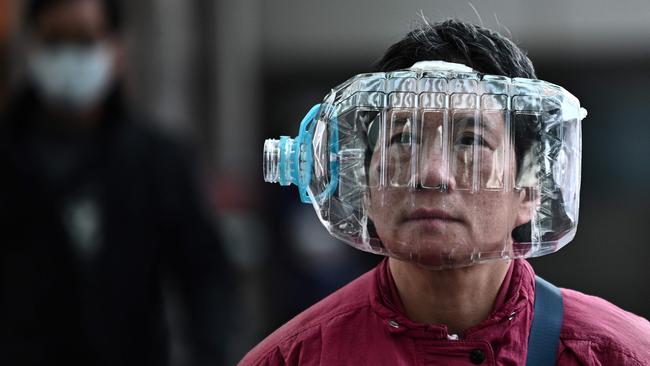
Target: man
98	211
455	163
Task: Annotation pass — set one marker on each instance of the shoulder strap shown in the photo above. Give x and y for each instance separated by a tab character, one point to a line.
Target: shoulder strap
547	320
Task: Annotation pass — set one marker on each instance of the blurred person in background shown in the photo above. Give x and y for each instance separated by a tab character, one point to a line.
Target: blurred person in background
99	212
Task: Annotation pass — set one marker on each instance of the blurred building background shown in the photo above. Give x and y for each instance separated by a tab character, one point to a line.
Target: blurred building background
228	74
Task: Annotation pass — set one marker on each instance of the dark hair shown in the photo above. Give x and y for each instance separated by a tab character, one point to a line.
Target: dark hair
112	11
454	41
481	49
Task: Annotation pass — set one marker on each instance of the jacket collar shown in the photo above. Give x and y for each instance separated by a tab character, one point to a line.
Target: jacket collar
513	305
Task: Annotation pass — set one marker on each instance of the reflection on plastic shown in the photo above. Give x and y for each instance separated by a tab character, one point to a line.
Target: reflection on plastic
440	167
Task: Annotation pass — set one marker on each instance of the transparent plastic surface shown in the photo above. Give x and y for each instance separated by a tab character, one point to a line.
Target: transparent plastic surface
446	168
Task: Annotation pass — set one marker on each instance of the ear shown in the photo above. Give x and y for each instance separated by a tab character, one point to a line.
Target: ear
528	201
367	202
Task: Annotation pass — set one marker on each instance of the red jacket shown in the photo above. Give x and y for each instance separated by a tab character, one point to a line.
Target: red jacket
364	324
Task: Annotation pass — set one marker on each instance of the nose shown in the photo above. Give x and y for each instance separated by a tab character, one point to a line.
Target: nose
434	168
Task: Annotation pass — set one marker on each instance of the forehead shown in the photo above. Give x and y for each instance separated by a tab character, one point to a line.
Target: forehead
72	19
487	121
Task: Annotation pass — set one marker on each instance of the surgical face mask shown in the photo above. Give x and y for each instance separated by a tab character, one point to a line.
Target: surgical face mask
439	164
73	76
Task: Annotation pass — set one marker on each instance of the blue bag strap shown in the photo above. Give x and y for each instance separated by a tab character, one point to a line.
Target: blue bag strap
544	337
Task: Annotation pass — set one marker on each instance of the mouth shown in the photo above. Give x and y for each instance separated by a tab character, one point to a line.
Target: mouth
432	216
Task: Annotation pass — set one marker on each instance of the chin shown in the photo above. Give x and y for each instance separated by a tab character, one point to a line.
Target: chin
444	253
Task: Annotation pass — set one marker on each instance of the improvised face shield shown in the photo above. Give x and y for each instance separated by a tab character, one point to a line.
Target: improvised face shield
439	164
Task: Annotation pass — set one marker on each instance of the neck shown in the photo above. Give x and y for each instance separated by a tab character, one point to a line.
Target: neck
458	298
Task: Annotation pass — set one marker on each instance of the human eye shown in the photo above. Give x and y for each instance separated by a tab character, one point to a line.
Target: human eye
469	139
403	134
401	138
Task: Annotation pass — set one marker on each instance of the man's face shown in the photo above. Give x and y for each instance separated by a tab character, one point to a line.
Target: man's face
439	207
74	57
81	22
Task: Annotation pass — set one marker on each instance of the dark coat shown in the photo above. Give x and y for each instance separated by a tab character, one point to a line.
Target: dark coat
92	224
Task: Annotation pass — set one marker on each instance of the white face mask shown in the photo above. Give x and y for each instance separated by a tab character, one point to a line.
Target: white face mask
75	76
